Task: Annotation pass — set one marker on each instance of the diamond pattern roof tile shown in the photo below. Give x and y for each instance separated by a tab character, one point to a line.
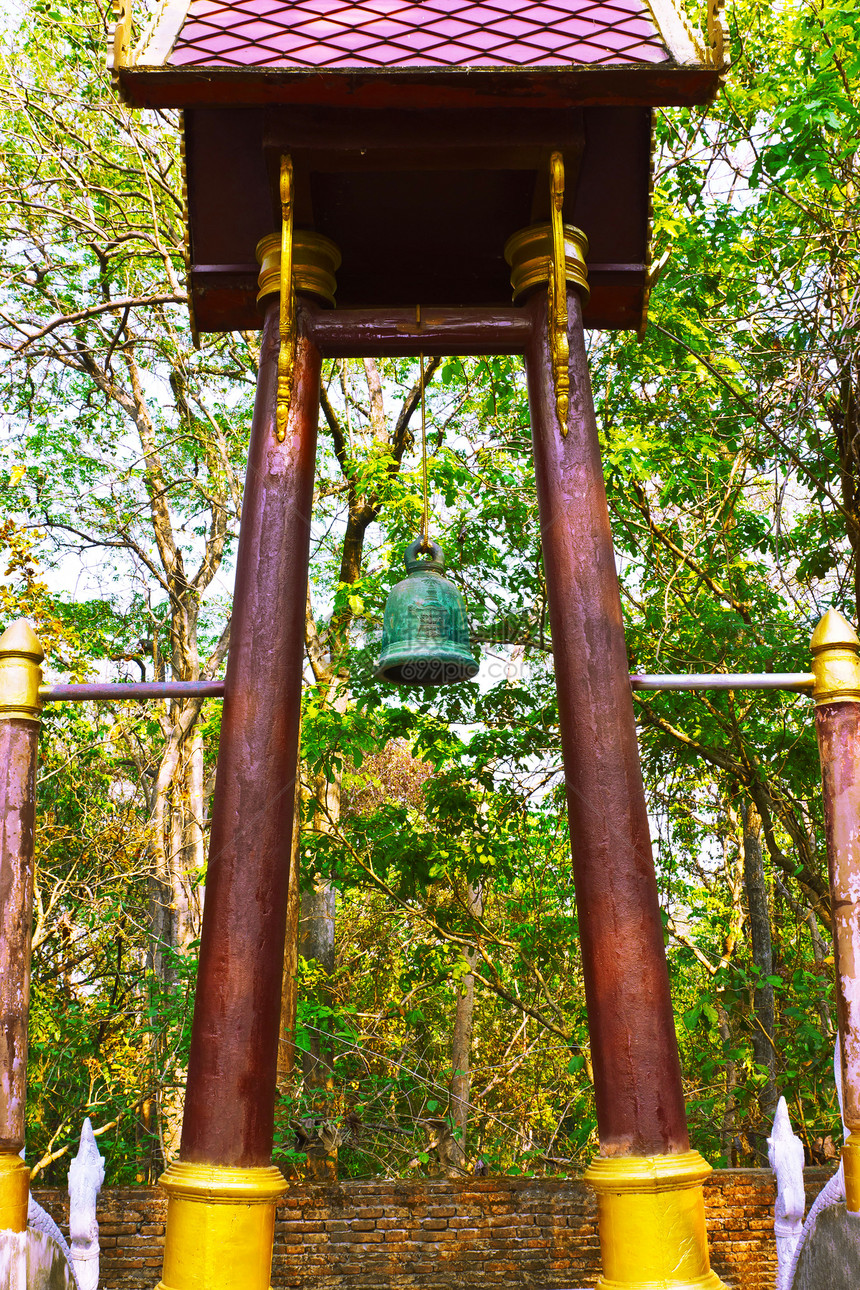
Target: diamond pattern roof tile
367	34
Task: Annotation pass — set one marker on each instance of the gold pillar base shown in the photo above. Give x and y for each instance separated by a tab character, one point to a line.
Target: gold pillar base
651	1211
851	1171
14	1192
220	1226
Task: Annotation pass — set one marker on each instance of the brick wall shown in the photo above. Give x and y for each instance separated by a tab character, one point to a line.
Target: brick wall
494	1232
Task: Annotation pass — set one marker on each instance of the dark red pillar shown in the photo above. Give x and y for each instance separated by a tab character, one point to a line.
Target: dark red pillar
20	676
637	1075
18	743
836	666
229	1106
838	728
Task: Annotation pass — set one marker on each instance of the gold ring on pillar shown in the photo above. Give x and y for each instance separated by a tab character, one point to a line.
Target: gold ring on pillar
651	1211
220	1226
529	253
316	259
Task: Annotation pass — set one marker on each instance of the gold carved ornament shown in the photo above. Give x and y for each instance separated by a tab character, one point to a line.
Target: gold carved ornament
717	52
287	324
558	339
120	50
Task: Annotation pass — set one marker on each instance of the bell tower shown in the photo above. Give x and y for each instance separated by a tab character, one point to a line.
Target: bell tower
491	161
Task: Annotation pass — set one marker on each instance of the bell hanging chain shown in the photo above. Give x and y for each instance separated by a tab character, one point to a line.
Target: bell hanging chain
287	324
425	524
558	340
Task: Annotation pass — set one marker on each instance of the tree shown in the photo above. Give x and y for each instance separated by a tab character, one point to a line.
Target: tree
436	819
125	439
732	495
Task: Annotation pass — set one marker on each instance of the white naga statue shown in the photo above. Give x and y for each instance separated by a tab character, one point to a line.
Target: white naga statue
785	1153
40	1256
86	1175
786	1160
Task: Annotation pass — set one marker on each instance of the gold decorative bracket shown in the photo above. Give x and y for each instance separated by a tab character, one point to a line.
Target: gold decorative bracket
287	327
558	339
186	230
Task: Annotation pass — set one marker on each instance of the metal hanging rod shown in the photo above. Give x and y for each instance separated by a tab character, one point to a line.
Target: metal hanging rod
138	691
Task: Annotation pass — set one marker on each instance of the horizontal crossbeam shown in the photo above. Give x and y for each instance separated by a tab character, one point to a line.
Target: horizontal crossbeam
399	333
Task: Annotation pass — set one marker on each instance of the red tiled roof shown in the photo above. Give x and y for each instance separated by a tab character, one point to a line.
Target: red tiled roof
361	34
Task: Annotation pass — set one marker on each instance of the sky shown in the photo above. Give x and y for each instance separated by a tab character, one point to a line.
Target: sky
10	14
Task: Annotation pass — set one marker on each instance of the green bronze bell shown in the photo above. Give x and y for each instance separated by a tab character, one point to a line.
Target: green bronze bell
425	633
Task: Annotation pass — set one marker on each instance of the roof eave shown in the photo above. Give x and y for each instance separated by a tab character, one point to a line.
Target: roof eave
666	84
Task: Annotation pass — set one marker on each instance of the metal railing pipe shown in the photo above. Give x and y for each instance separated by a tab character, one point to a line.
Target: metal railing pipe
133	691
800	681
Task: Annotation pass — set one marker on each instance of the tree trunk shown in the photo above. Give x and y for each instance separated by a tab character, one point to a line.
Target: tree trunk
327	655
820	950
193	857
762	954
461	1049
316	944
289	990
734	870
729	1122
176	906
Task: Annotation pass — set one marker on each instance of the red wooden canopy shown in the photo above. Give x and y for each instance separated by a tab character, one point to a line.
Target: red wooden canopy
420	132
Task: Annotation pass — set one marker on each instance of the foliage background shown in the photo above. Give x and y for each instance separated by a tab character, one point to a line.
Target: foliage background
434	826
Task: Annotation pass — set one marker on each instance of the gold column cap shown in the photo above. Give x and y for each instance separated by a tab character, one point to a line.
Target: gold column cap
835	660
529	253
316	260
20	672
20	639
